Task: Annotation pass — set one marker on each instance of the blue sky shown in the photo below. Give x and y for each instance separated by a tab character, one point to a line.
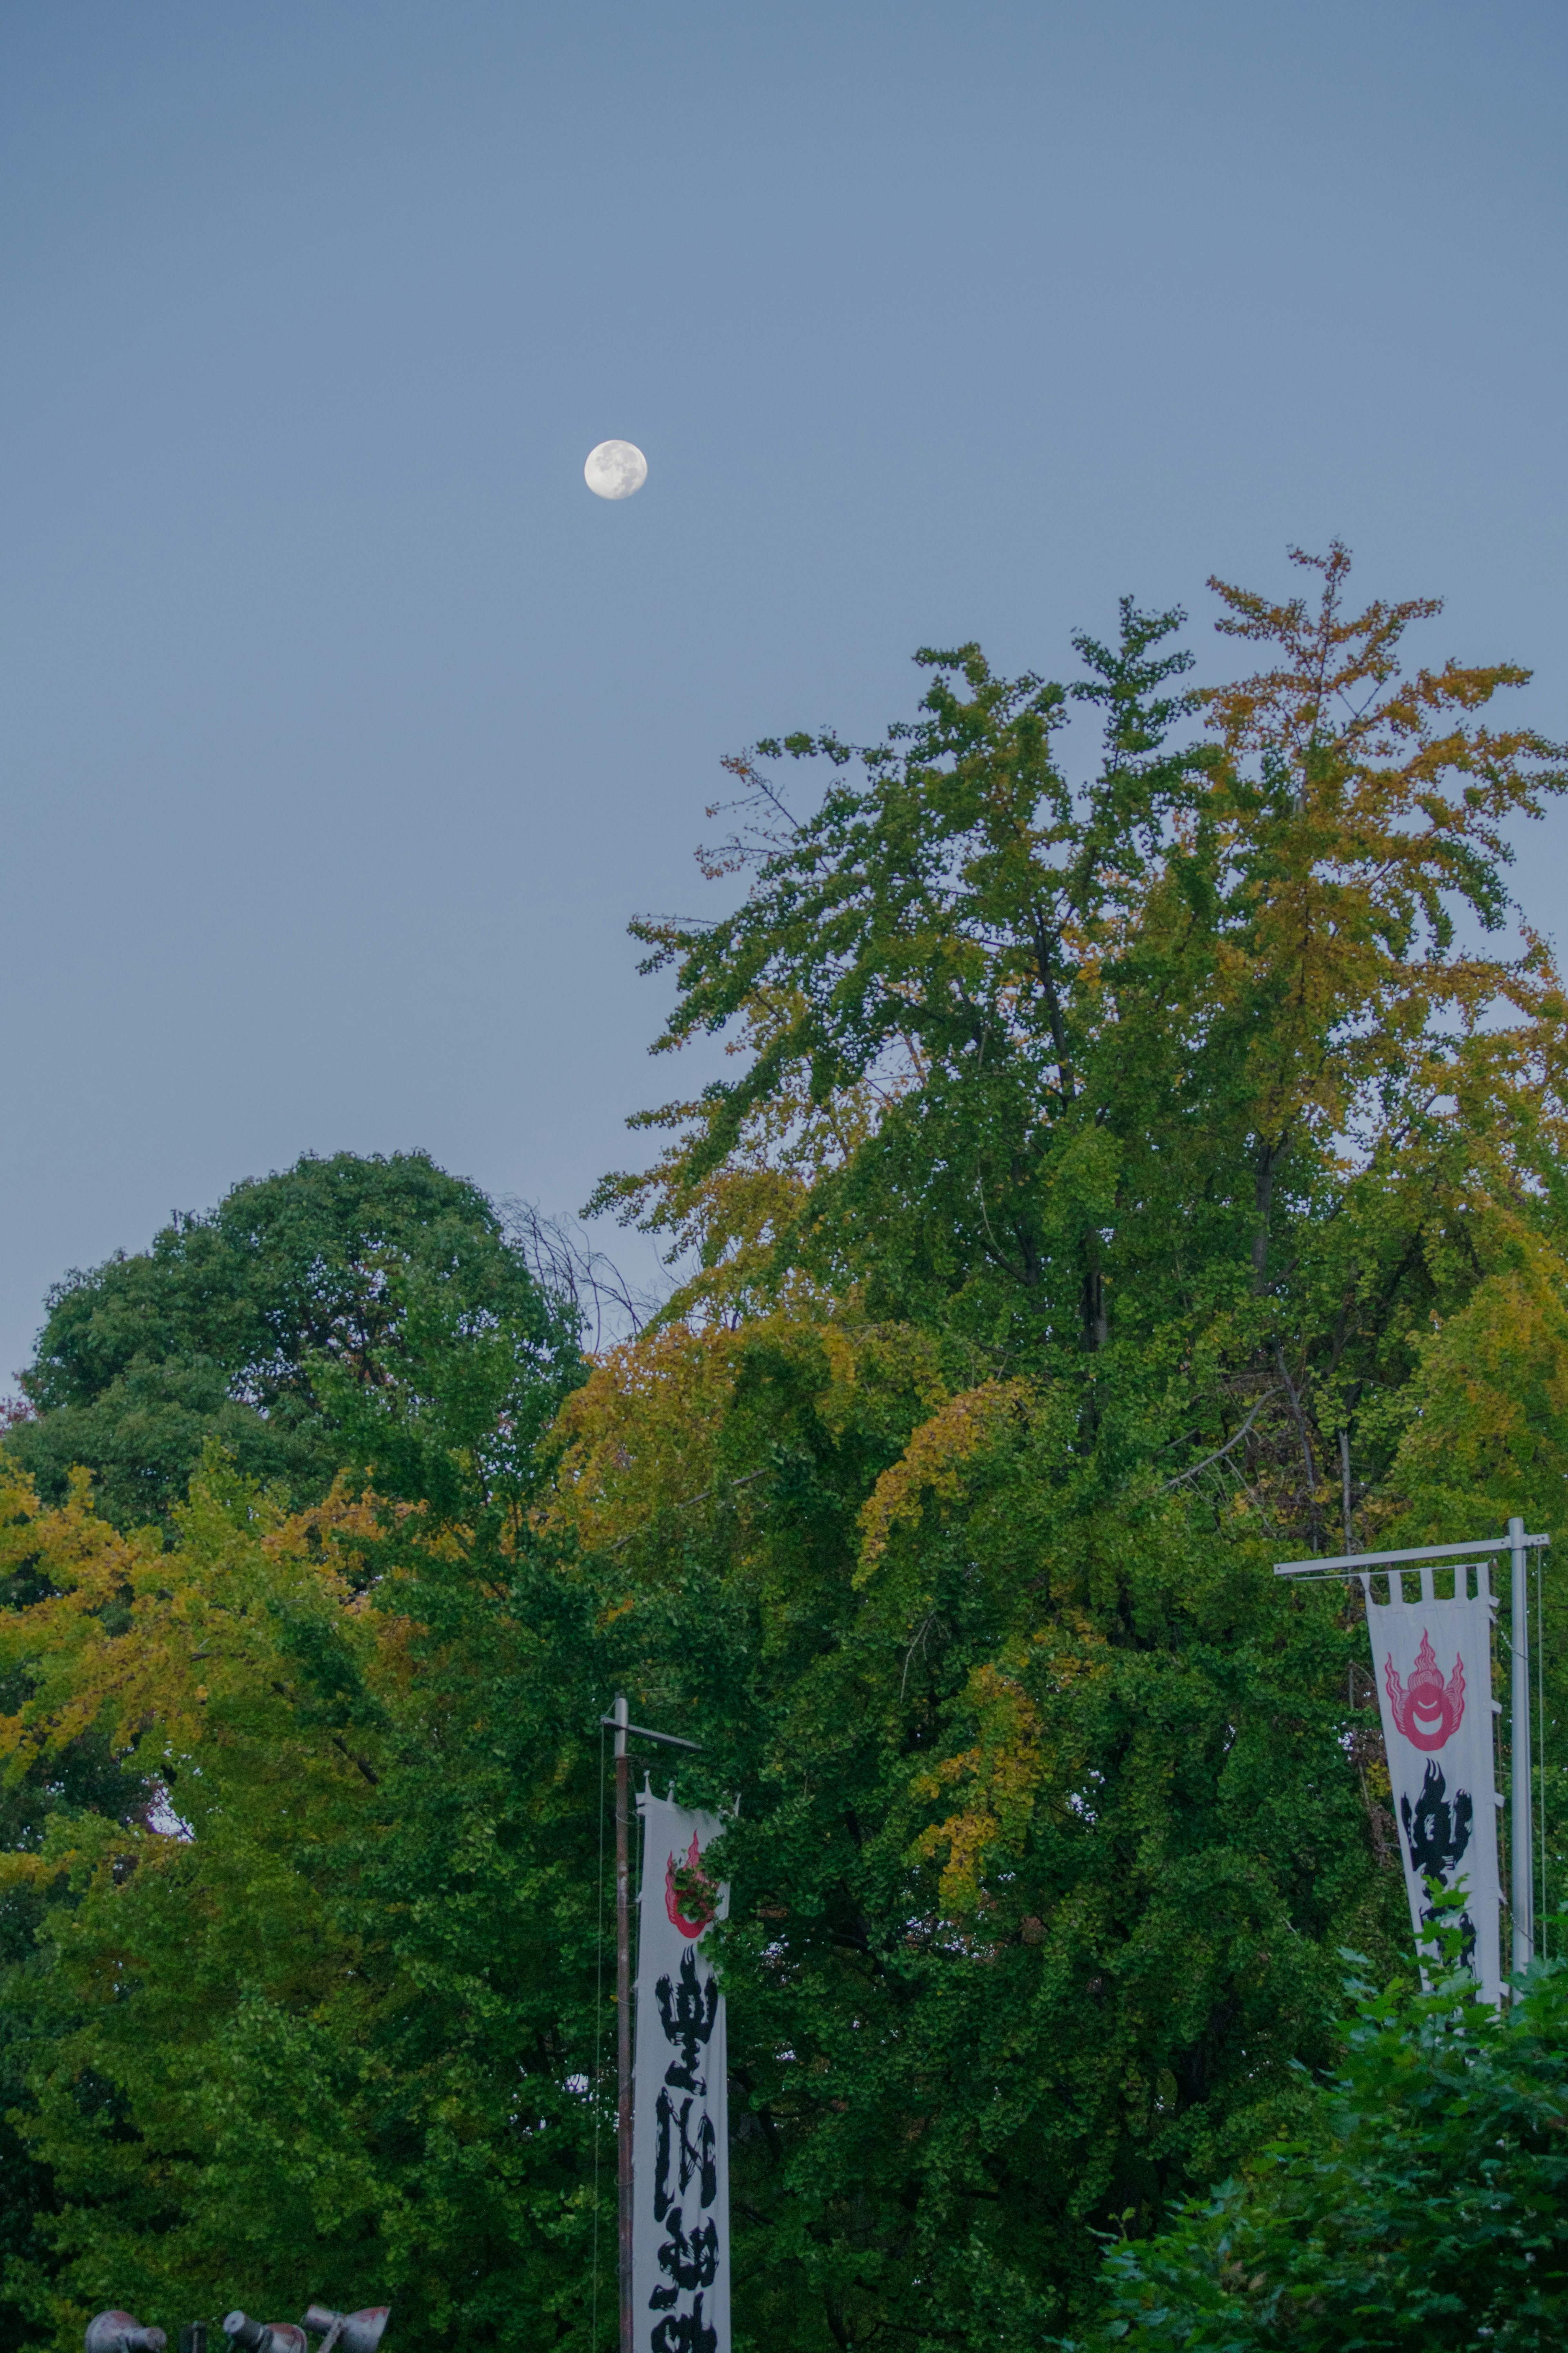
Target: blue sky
341	729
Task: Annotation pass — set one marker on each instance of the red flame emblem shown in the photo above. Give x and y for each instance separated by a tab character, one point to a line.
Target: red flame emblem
690	1910
1426	1710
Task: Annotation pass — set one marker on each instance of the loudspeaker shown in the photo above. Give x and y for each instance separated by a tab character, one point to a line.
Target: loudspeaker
347	2332
122	2332
265	2336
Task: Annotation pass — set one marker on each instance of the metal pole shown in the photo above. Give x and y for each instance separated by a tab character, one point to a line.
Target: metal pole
1521	1844
624	2017
619	1719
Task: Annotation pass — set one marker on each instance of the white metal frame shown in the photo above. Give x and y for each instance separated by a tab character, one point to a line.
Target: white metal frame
1517	1544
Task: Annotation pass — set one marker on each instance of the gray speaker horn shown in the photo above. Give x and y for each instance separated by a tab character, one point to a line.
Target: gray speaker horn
122	2332
347	2332
265	2336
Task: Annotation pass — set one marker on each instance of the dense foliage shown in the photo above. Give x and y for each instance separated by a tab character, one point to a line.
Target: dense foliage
1428	2205
315	2020
1123	1185
264	1324
347	1310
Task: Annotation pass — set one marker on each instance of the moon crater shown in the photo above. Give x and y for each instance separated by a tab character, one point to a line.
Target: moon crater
614	470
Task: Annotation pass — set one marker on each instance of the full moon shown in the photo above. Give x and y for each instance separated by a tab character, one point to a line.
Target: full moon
614	470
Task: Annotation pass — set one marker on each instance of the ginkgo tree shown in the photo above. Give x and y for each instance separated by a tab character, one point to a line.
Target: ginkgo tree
1082	1230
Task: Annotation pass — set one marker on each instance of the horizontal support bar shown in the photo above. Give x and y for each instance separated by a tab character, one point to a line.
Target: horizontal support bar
1351	1563
641	1732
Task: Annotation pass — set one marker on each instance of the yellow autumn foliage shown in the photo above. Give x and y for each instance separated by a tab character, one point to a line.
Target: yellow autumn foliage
638	1436
1489	1410
1017	1756
732	1217
165	1652
935	1462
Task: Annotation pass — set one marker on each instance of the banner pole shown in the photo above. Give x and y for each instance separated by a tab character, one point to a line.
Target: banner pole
1430	1827
624	2022
619	1721
1521	1857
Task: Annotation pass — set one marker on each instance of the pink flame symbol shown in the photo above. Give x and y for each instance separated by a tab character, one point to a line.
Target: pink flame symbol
692	1923
1428	1710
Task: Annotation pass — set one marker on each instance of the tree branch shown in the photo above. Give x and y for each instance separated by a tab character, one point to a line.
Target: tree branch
1221	1451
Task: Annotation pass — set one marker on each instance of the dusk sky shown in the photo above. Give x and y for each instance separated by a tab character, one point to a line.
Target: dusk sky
344	730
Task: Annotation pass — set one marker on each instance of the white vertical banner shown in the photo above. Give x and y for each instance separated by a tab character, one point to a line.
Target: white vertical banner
1433	1664
680	2137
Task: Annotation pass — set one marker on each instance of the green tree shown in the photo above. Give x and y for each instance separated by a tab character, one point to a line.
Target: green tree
1136	1061
1099	1161
1425	2205
321	2020
1048	1840
302	1302
371	1313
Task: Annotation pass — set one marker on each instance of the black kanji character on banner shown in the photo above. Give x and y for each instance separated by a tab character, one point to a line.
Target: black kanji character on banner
698	2157
685	2332
690	2262
1438	1835
688	2012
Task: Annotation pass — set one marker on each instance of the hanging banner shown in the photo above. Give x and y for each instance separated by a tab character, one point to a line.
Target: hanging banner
1432	1661
680	2140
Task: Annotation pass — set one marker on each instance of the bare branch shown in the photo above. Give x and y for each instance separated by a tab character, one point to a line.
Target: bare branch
1221	1451
562	1261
